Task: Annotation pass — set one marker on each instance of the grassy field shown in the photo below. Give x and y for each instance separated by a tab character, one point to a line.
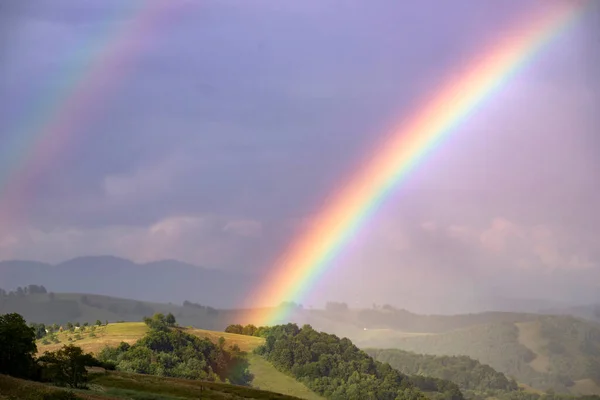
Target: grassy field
245	343
266	377
115	385
94	341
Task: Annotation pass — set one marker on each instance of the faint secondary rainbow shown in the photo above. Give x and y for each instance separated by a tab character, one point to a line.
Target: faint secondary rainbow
71	99
310	254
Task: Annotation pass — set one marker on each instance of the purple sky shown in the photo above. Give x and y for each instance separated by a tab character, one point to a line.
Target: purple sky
240	117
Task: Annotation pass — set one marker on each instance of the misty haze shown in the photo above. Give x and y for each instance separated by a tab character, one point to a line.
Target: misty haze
300	199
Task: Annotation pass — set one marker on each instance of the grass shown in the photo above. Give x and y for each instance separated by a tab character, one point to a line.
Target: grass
116	385
107	335
245	343
13	388
154	387
266	377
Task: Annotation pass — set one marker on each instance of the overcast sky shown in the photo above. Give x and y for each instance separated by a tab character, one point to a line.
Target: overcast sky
223	125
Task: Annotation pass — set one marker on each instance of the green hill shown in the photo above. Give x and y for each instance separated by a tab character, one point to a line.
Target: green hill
544	352
467	373
61	308
266	377
550	352
116	385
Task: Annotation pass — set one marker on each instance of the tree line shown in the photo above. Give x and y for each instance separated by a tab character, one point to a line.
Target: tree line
24	291
248	330
335	368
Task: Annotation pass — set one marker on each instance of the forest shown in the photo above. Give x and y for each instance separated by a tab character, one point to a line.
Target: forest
337	369
467	373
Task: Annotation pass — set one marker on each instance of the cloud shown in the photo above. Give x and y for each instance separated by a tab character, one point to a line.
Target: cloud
209	240
538	246
225	140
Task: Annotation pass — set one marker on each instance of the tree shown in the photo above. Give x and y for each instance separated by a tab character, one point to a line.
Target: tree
17	346
98	322
67	366
35	289
39	329
157	322
335	307
235	328
249	330
170	319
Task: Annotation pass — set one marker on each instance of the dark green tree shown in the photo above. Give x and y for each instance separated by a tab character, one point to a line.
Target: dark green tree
39	329
170	319
67	366
17	346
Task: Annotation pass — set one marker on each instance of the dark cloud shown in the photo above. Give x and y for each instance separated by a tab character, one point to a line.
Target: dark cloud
251	114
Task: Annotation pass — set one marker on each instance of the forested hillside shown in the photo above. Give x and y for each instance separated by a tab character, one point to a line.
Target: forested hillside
547	353
467	373
337	369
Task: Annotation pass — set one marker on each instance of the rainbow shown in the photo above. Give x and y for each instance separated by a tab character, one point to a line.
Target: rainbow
72	98
308	257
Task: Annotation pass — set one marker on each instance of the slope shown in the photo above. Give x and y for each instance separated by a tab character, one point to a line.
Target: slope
467	373
112	276
550	352
266	377
115	385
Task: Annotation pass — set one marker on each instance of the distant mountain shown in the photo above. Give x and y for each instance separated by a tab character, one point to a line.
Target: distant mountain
160	281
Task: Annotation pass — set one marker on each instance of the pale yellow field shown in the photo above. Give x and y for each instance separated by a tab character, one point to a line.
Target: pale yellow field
245	343
109	335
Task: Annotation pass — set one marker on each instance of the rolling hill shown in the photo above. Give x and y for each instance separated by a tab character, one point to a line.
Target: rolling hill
60	308
467	373
124	386
266	377
542	351
550	352
113	276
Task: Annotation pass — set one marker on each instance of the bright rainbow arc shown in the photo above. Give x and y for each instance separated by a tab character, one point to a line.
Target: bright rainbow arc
308	257
51	125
